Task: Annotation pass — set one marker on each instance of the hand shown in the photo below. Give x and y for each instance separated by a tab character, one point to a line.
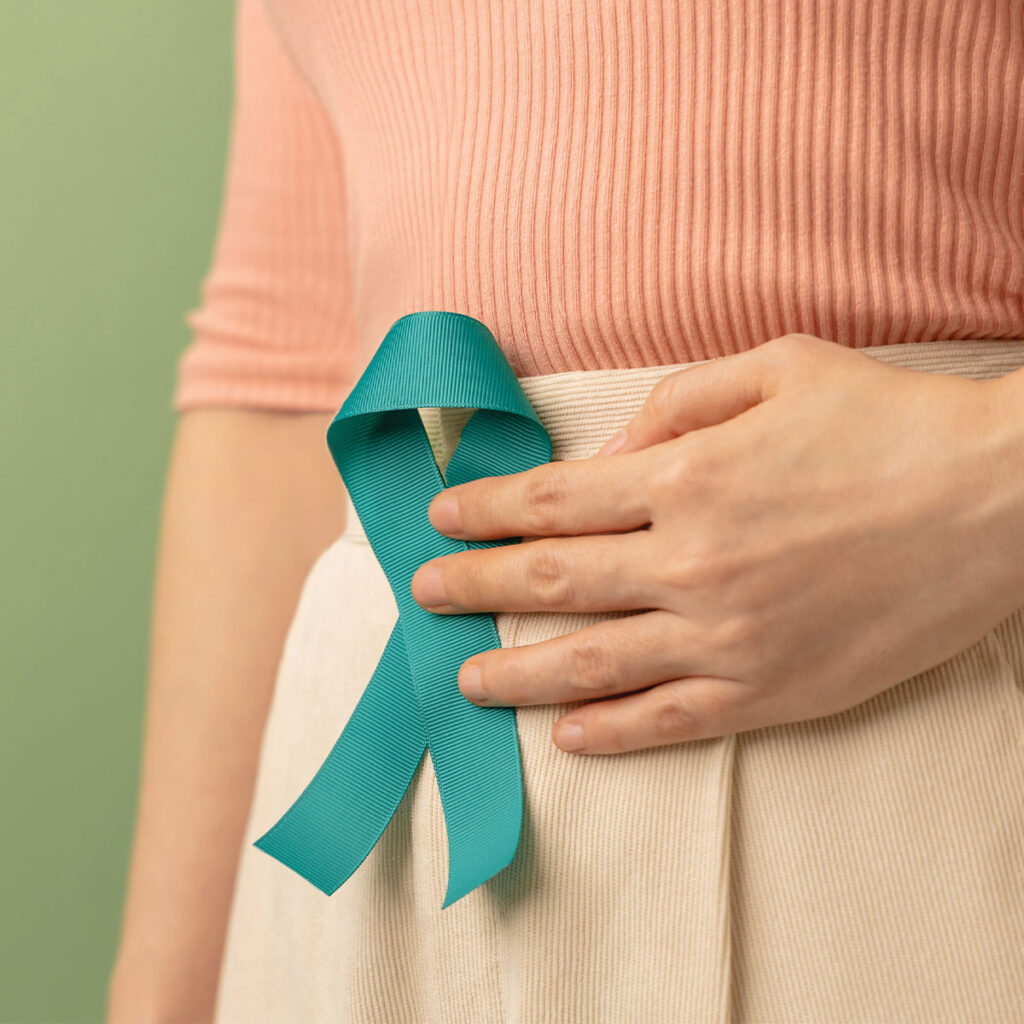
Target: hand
797	527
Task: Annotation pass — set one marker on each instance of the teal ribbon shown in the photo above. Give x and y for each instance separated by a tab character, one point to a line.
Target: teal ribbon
412	702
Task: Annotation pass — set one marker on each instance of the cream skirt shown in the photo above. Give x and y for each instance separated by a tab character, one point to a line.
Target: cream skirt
864	867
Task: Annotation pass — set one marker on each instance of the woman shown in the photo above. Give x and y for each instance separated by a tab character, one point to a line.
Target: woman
766	648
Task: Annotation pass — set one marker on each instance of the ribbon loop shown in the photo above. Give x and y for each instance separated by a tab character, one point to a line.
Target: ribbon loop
412	703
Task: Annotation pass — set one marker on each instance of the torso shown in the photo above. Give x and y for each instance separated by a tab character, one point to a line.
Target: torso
625	183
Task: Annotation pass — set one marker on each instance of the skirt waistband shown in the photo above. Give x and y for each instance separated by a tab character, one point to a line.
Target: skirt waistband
581	409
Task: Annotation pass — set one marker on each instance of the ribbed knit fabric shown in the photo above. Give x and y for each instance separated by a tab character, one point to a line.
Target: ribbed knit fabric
866	867
620	183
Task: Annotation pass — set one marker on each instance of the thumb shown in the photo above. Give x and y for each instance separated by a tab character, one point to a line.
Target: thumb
702	395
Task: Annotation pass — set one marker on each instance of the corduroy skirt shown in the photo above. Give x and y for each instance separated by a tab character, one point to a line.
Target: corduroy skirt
863	867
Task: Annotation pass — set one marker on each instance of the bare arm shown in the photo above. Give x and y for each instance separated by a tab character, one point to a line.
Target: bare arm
252	498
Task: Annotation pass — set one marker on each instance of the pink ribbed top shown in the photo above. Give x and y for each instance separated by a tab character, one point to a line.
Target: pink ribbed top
609	184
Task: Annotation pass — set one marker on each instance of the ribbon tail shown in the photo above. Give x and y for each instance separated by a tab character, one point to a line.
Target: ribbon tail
481	787
337	819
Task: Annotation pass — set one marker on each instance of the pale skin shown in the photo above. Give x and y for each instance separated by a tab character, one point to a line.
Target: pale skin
252	497
798	527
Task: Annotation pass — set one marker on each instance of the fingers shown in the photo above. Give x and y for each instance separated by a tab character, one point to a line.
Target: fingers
695	708
698	396
595	573
712	392
611	657
554	499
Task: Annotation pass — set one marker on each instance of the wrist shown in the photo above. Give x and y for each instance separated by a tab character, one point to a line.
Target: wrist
1003	399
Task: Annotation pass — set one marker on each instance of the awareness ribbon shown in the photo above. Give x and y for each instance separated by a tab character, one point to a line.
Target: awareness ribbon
412	703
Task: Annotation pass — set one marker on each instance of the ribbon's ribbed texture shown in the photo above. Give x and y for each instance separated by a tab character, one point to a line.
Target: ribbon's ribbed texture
412	702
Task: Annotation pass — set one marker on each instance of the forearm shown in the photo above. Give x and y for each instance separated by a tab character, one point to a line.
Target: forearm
251	500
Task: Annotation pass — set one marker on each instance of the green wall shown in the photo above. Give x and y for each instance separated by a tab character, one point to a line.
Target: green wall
113	133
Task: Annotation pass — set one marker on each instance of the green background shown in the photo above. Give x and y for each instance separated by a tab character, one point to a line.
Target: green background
113	135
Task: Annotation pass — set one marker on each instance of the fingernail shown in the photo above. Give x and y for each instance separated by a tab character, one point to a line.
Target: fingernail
613	444
443	513
570	736
428	586
471	683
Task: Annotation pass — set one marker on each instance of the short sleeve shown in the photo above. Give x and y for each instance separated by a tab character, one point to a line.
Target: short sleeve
273	328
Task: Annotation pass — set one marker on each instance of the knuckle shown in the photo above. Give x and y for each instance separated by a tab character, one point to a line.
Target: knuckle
718	704
681	567
698	562
547	578
666	479
662	400
738	632
679	470
791	344
589	664
790	352
544	498
674	716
